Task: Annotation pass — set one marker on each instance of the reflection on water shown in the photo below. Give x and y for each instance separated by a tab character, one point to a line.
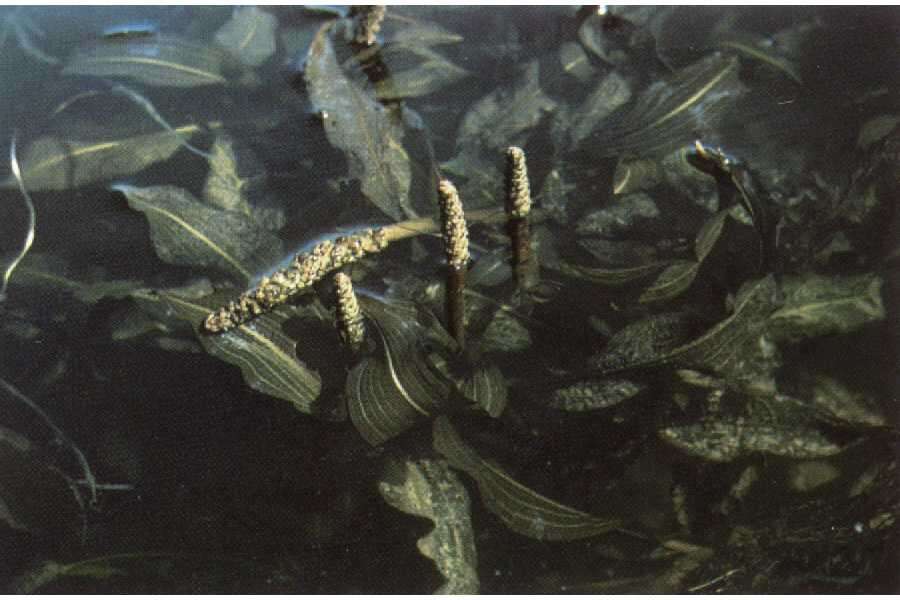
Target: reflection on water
668	365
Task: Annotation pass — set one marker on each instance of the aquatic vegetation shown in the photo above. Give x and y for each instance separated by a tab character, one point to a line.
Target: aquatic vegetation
338	323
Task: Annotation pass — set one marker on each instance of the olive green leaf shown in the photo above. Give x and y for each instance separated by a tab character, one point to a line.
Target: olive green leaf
523	510
370	134
185	231
157	60
53	164
403	383
428	488
414	71
594	394
265	354
842	405
725	439
819	305
487	388
45	271
678	277
249	34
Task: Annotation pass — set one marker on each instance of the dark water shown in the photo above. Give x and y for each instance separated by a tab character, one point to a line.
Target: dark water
756	453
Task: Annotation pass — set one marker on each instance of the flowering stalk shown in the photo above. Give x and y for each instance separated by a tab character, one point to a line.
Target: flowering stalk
518	209
456	247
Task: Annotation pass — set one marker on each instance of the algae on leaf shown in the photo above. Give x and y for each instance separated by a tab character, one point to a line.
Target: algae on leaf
265	354
428	488
370	134
185	231
522	509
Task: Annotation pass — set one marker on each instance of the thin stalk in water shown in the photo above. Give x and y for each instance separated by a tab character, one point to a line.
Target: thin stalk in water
29	205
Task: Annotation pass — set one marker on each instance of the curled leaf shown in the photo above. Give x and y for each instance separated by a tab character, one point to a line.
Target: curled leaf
523	510
402	384
428	488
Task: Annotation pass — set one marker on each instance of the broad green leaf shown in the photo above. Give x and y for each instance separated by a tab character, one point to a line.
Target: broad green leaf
370	134
842	405
265	354
162	61
610	93
53	164
487	388
428	488
645	341
249	34
522	509
819	305
185	231
611	277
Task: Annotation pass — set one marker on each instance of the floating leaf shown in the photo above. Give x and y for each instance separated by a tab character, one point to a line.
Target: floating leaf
414	71
523	510
156	61
671	112
818	305
595	394
262	350
249	34
46	271
727	439
53	164
502	118
428	488
402	384
487	388
370	134
187	232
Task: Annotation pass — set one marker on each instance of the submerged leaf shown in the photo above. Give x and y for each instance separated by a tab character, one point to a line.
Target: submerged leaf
234	182
818	305
187	232
487	388
156	60
595	394
46	271
370	134
611	93
428	488
402	384
262	350
502	118
414	71
56	164
670	113
249	34
523	510
727	439
677	278
844	406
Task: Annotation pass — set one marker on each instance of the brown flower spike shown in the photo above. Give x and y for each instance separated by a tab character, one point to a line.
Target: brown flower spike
456	247
518	209
349	316
305	270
